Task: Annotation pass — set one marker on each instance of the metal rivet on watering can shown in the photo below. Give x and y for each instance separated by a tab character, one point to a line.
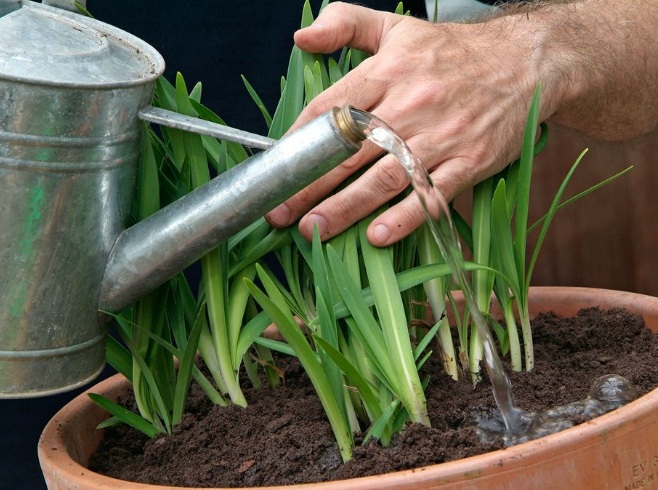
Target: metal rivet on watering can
72	93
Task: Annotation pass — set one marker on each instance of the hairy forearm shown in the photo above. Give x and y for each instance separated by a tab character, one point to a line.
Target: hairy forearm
606	54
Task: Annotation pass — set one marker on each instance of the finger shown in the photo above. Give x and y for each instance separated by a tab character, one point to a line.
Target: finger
294	208
380	183
338	25
450	178
272	332
342	24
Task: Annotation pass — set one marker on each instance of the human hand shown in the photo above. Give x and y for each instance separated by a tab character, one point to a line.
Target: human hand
458	94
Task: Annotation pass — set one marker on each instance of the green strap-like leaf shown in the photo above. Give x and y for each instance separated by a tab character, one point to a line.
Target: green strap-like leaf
580	195
523	186
365	389
125	415
502	238
184	376
549	216
366	327
259	103
282	317
119	357
148	187
382	422
391	315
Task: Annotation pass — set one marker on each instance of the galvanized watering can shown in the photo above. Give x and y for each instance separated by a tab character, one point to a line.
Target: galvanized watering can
72	93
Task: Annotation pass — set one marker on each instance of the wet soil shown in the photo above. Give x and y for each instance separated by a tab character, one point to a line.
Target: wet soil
282	437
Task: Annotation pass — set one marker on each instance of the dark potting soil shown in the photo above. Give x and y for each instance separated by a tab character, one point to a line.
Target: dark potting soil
282	437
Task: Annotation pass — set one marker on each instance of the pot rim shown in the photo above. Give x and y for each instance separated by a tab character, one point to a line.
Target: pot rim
635	414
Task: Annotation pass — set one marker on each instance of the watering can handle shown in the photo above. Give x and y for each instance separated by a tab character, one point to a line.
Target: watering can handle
187	123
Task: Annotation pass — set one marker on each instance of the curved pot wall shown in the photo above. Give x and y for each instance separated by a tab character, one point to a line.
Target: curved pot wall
616	451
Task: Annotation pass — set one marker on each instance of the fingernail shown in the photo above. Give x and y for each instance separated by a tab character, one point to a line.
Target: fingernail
279	216
381	233
317	220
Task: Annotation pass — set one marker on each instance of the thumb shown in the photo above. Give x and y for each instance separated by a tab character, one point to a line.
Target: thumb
343	24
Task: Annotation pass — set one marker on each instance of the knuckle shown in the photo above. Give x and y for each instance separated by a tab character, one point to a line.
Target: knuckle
306	198
389	177
348	213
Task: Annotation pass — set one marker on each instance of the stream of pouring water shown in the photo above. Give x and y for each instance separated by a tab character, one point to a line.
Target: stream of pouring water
437	214
607	393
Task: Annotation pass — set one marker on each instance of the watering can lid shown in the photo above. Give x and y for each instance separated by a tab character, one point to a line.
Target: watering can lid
46	45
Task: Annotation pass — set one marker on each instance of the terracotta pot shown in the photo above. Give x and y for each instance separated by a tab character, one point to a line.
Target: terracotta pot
616	451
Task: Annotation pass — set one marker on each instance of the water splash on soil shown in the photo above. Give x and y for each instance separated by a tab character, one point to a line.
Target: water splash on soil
606	394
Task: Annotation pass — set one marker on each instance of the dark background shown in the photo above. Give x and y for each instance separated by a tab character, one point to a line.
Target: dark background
210	41
215	42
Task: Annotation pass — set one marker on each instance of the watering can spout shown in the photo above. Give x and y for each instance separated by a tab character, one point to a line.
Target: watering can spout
72	93
153	250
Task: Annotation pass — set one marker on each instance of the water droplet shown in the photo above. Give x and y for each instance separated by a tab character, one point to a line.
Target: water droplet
613	388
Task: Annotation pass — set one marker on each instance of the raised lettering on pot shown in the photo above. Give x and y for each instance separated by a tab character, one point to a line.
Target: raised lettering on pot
645	474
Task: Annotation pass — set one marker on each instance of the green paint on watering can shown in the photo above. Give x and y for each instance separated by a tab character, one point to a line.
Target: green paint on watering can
36	201
16	307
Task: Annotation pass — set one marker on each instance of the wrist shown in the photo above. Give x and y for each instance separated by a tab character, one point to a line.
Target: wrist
551	36
597	60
